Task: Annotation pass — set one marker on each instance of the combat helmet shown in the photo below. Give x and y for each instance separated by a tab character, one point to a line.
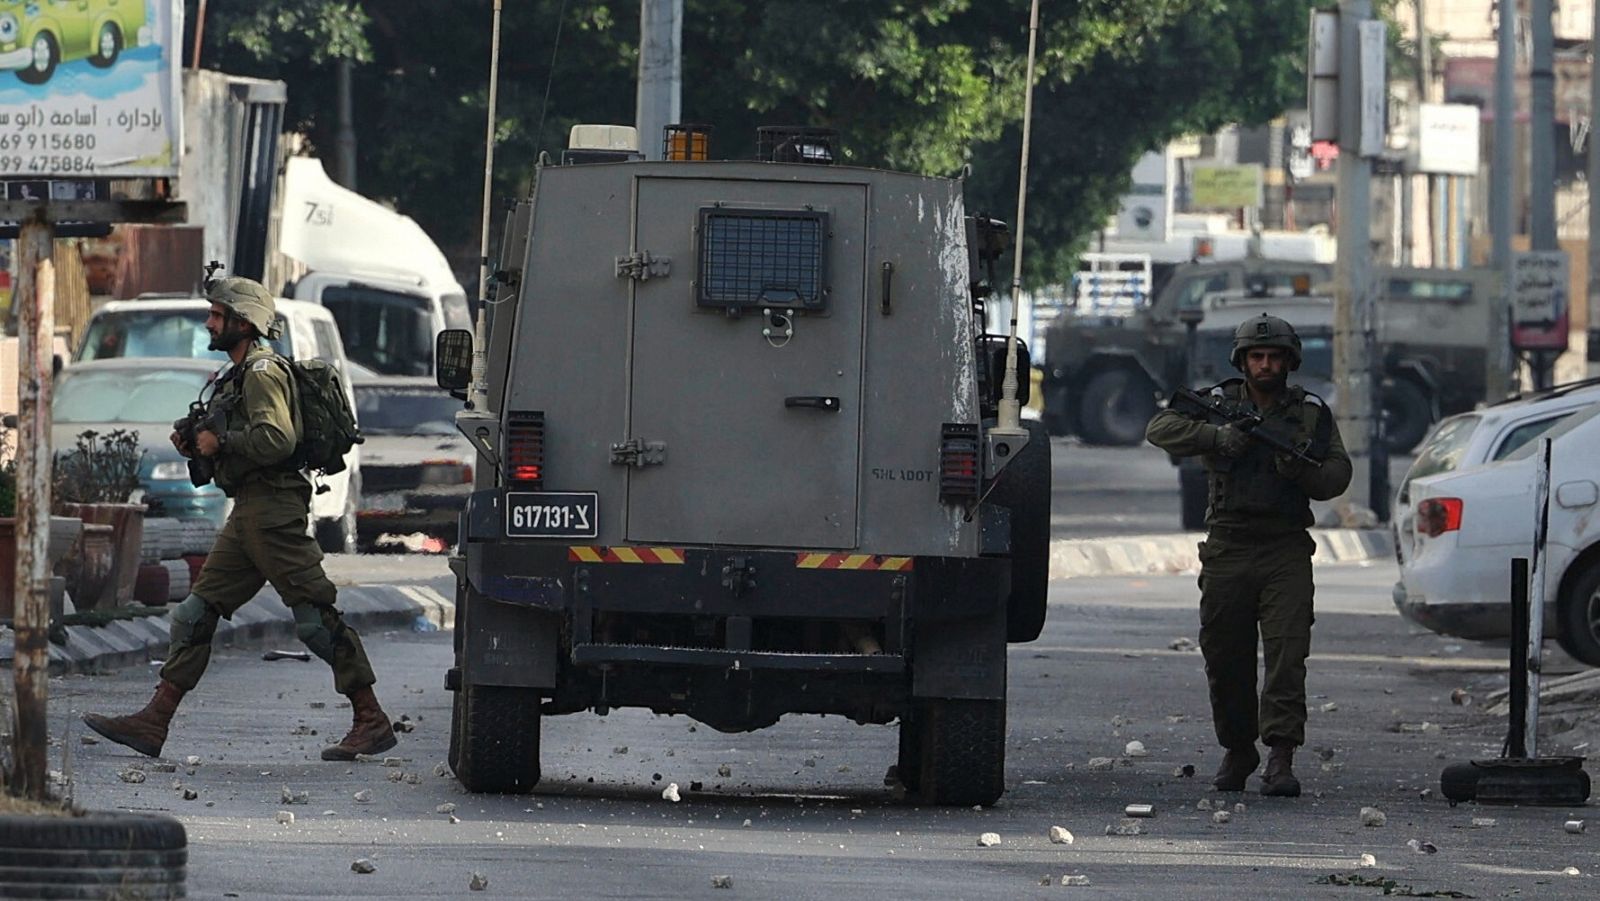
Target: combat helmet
247	299
1265	331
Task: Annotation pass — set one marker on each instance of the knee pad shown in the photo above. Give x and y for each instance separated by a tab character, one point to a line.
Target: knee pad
194	622
312	627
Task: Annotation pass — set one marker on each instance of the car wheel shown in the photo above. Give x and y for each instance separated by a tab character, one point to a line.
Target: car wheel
1407	413
1117	405
1057	409
107	46
961	744
46	54
1579	613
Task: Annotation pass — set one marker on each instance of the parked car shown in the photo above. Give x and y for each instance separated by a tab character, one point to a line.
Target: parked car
35	37
1469	440
416	468
162	325
1469	525
142	395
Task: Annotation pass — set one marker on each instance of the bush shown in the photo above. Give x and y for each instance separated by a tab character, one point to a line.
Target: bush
102	469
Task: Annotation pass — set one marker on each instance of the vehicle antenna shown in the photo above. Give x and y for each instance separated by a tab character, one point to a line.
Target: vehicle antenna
1010	412
478	393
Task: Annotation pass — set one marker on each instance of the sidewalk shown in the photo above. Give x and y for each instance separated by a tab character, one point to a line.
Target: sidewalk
1175	553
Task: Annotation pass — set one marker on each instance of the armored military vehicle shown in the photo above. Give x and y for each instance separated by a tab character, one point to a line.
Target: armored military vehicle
738	460
1104	373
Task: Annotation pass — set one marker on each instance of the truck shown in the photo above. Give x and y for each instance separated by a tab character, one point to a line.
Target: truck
1104	374
738	458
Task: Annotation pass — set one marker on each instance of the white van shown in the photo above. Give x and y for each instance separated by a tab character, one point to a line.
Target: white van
174	325
388	323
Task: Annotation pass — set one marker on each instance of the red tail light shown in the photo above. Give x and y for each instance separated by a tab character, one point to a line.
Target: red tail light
958	463
524	460
1438	515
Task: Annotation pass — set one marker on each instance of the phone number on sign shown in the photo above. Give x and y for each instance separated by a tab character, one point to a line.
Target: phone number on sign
46	164
46	142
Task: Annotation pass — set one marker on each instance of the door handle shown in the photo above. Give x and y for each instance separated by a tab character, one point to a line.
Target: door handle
831	404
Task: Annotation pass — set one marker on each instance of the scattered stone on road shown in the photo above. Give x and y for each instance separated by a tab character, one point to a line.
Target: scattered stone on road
1461	698
446	807
478	882
1075	879
1181	644
191	760
1572	871
1221	816
285	818
722	882
190	794
1060	836
988	839
362	865
131	776
1483	822
1372	816
1126	827
1202	804
670	793
1367	860
1184	772
725	771
363	796
1422	847
1329	707
1101	763
1135	749
290	796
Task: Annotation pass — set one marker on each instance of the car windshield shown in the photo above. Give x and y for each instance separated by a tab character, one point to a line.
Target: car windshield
385	331
1554	433
125	395
1443	450
157	333
385	410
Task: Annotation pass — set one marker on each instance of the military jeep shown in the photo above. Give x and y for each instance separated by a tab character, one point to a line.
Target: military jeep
737	460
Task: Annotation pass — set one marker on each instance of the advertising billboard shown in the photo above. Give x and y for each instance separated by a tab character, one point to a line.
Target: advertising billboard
89	89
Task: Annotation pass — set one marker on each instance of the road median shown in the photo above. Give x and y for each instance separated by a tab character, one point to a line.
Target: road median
1131	555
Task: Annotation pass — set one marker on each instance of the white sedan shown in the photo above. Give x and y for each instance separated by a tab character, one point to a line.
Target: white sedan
1468	526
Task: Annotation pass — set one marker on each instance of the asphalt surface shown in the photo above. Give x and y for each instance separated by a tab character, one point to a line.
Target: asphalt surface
821	823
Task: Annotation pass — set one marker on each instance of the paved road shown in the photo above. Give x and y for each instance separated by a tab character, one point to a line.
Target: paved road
821	824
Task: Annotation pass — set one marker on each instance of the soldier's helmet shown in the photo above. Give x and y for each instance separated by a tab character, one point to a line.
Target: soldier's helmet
1265	331
247	299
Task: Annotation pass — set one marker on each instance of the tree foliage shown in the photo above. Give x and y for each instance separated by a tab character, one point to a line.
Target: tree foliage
925	86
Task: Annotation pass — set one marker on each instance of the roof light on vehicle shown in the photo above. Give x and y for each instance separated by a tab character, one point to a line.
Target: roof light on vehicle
1438	515
686	142
1204	248
1300	283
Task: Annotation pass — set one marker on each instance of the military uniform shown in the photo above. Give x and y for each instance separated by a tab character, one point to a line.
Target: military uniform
1256	560
255	419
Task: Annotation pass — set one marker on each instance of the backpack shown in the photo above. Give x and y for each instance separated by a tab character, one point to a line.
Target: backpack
327	424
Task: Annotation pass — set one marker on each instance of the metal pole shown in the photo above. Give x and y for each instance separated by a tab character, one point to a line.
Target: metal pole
31	588
478	393
660	96
1535	641
1424	95
1009	415
347	128
199	32
1542	153
1593	334
1354	267
1498	360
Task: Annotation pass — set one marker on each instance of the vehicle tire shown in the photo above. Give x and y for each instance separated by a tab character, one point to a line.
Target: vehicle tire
1579	613
497	739
1024	487
46	54
908	764
107	46
1407	414
338	536
962	745
1057	408
100	855
458	707
1193	494
1117	405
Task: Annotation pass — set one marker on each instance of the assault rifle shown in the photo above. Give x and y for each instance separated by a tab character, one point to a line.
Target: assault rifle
202	469
1223	411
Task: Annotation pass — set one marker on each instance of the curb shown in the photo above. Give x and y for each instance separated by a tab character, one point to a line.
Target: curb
265	620
1075	558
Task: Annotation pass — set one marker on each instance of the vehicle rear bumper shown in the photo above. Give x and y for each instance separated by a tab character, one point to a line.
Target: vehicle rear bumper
1477	621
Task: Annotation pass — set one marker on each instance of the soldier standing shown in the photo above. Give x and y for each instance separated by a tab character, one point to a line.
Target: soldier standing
255	409
1255	563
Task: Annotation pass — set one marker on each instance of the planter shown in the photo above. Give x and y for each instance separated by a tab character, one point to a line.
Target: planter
64	533
127	539
88	569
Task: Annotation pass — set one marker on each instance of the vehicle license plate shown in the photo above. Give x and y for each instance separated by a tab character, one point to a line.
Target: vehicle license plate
552	514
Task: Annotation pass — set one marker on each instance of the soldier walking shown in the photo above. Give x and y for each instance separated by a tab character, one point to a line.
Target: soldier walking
265	539
1255	563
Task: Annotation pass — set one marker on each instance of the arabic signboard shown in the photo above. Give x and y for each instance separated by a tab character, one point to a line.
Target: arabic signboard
1226	187
1540	307
90	88
1447	138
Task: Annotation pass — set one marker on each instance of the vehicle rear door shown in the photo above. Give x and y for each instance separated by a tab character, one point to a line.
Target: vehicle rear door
745	389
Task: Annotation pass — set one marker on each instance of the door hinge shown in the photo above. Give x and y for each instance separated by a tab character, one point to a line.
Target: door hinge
641	266
638	452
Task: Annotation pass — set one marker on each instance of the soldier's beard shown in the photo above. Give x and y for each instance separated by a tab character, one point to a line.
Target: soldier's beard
232	333
1270	383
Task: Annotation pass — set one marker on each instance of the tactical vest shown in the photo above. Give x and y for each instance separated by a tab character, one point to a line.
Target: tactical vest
1246	491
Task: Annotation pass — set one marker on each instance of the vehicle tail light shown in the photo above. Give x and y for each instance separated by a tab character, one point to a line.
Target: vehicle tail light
445	472
1438	515
959	456
524	459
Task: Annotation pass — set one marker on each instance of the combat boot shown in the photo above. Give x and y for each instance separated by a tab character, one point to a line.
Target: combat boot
1237	765
145	731
1279	781
370	733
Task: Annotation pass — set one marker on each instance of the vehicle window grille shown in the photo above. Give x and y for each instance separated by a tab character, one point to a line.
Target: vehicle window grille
958	463
524	457
752	258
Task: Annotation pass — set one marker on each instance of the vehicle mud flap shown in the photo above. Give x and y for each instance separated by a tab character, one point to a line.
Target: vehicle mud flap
508	644
496	739
961	751
1024	487
959	628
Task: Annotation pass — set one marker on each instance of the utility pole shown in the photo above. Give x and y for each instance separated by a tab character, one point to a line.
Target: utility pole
660	99
1498	365
1424	95
1593	335
1353	302
1541	145
347	128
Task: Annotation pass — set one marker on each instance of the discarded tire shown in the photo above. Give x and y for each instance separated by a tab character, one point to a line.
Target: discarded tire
195	562
198	536
163	540
150	587
95	856
178	579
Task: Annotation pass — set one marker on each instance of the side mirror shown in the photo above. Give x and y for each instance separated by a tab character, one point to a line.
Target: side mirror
452	359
